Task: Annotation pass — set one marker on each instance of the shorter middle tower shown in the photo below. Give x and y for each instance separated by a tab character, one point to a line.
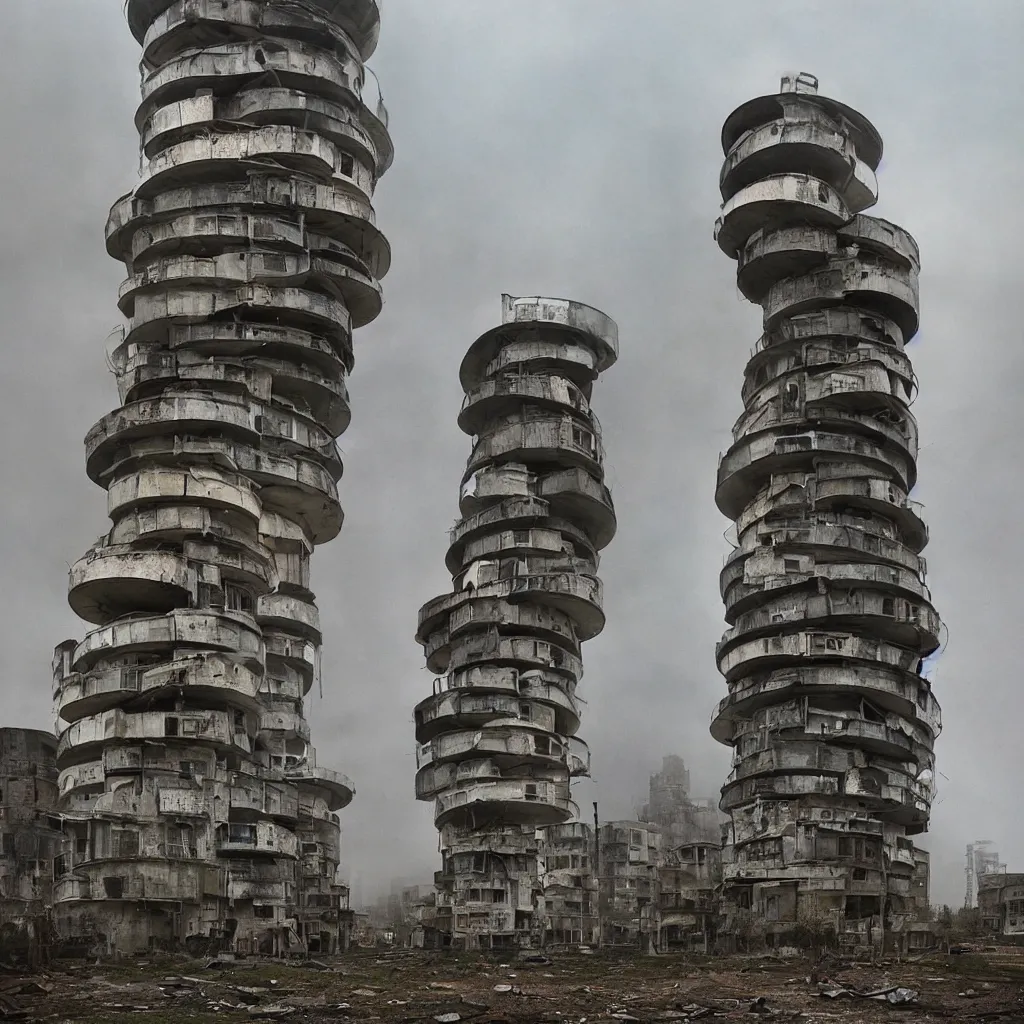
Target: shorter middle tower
496	741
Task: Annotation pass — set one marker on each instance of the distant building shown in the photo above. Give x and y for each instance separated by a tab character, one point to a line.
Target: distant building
669	805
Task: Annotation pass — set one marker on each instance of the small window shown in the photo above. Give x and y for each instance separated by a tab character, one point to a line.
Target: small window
521	537
530	790
791	564
583	439
888	606
237	599
170	726
113	887
541	745
346	165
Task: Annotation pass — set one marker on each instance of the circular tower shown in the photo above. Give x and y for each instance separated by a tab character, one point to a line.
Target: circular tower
195	807
496	742
831	721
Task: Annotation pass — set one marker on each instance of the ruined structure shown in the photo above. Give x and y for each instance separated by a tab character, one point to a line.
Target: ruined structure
631	857
195	809
497	742
30	834
981	860
688	897
1001	904
569	884
682	818
831	721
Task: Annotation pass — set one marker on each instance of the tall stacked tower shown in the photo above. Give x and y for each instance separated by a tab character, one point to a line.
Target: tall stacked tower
497	742
195	807
831	722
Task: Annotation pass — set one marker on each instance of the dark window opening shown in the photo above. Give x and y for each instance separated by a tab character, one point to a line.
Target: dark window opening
113	887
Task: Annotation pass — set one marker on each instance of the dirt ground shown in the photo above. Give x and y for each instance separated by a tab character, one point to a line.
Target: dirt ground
560	987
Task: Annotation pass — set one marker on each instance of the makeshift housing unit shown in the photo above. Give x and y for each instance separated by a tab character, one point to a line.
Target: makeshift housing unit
831	719
496	742
196	812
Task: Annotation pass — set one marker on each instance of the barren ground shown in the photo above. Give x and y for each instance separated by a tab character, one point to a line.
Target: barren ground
606	986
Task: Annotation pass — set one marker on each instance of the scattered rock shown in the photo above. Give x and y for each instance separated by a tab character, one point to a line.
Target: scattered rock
271	1012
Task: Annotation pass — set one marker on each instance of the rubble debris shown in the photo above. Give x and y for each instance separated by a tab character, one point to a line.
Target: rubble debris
894	995
271	1012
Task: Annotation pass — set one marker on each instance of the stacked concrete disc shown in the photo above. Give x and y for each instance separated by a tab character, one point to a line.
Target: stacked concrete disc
195	805
496	741
831	723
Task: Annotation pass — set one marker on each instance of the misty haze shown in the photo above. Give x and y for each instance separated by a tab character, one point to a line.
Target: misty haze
568	150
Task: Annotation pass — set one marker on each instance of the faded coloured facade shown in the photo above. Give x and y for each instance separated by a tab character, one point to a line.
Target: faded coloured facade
195	809
30	835
497	743
830	718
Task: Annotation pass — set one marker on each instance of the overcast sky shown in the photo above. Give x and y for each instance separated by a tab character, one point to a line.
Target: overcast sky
567	148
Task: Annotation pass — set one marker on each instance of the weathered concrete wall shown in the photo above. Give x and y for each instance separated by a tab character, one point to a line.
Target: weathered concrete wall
196	810
496	742
30	838
830	717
